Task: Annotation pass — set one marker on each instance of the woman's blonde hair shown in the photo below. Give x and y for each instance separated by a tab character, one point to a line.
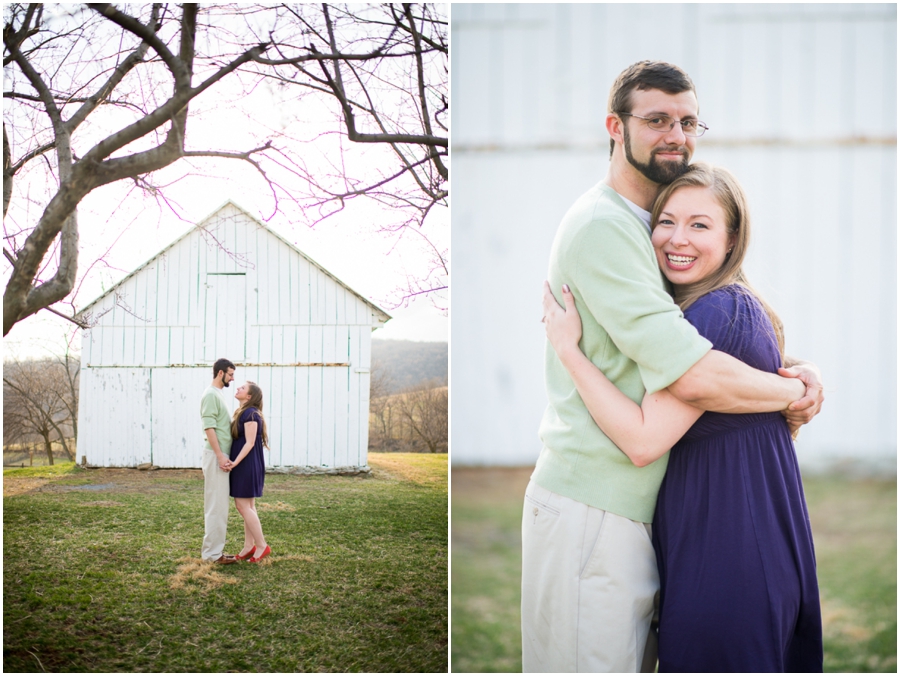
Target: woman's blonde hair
254	401
731	198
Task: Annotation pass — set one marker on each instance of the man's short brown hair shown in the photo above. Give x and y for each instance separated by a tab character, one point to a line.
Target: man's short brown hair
646	75
221	365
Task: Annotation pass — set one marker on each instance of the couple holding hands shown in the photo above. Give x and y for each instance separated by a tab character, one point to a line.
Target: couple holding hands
241	474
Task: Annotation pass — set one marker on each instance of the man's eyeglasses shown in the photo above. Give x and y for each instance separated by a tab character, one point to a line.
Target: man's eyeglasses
690	126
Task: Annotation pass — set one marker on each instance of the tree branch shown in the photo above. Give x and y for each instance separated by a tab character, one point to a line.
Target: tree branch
420	78
8	172
122	167
37	82
37	152
76	322
117	76
145	33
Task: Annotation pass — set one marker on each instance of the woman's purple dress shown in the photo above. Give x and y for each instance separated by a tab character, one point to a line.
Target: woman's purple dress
738	588
248	477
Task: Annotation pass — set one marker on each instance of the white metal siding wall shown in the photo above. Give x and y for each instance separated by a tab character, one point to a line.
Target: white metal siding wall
801	101
232	290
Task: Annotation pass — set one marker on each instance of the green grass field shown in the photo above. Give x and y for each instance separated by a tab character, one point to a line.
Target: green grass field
854	527
102	573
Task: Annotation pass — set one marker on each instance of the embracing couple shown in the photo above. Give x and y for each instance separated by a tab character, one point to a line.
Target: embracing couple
657	341
240	474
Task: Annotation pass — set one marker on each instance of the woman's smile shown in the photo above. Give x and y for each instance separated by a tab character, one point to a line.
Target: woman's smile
679	262
691	236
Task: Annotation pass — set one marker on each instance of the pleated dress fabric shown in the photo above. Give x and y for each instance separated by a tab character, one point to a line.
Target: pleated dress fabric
738	587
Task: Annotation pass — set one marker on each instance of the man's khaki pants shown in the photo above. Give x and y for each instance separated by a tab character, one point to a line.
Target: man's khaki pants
215	507
589	581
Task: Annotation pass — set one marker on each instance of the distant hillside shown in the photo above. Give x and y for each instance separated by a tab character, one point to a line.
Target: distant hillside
409	363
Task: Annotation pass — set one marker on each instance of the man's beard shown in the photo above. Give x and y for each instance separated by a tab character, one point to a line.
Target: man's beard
226	383
658	172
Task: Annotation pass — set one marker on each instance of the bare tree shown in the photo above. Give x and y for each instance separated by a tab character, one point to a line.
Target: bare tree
97	95
30	418
380	388
66	386
15	432
424	412
30	389
398	99
404	108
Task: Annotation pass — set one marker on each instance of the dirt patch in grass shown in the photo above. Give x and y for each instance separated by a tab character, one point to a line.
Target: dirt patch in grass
100	503
21	485
195	574
121	480
277	507
142	481
403	466
839	621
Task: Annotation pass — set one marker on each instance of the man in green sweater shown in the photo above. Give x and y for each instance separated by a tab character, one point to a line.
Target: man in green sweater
216	420
589	573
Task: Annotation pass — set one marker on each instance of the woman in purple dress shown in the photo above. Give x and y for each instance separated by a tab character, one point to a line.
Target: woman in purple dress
738	587
248	468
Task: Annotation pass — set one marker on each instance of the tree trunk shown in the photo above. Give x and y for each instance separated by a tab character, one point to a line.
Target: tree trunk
62	440
66	449
48	448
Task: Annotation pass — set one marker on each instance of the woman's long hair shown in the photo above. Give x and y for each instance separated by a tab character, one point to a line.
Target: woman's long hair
255	401
731	198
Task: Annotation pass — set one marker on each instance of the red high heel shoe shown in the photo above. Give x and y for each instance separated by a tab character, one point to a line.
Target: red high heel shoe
245	556
266	552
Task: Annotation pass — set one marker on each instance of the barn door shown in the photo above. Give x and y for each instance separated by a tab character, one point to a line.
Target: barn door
225	326
114	416
176	433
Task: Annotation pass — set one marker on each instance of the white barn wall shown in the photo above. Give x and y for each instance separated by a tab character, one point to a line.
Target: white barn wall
801	101
229	288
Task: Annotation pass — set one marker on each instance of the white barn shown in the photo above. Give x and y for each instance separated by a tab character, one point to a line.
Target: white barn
232	288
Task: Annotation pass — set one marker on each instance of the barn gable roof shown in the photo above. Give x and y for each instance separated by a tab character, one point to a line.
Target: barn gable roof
385	316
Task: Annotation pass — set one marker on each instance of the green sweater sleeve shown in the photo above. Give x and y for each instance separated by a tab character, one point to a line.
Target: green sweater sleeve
209	410
615	273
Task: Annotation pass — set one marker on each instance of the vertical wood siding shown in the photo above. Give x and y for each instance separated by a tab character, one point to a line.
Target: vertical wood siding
114	416
801	104
177	435
228	289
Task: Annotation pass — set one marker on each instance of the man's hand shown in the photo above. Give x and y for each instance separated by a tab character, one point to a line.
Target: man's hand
804	410
224	463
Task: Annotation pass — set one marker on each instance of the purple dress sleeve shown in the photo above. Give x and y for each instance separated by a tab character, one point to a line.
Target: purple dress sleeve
734	321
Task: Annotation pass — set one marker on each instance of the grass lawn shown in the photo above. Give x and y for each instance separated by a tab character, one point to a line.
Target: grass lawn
854	526
102	573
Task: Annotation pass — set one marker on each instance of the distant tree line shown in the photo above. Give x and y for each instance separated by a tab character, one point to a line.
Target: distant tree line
40	406
410	363
413	420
